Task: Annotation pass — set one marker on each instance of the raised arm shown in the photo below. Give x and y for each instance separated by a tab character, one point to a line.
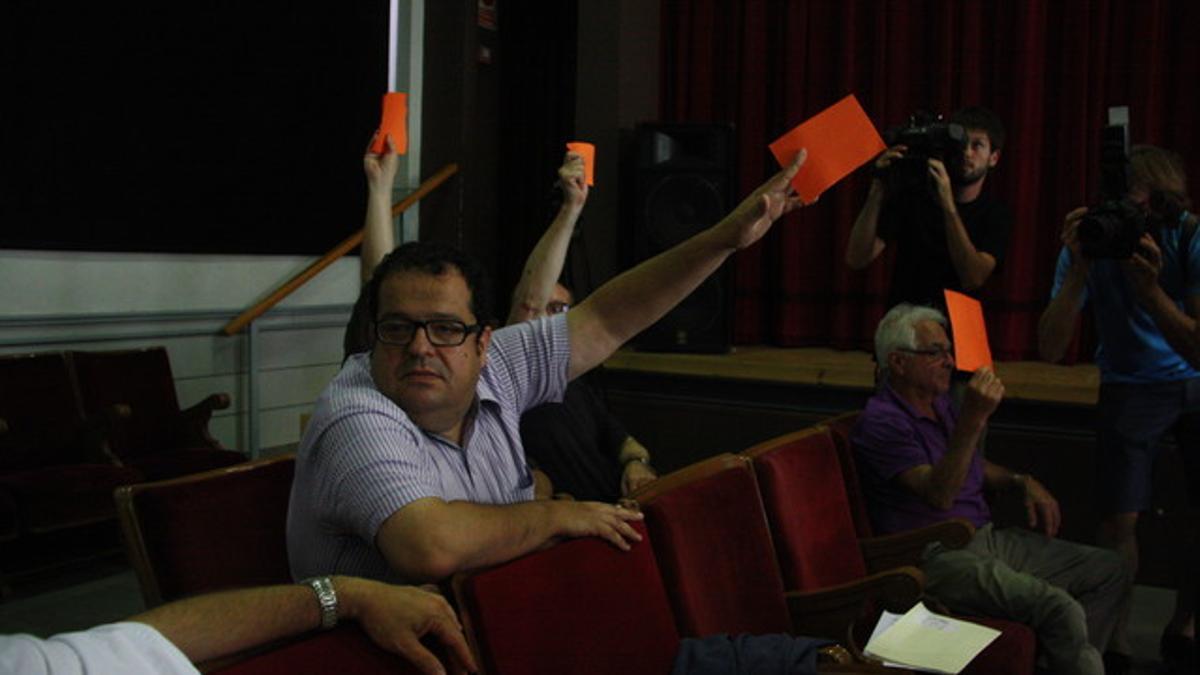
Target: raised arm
379	235
629	303
211	626
938	484
1056	326
972	266
431	539
545	261
864	245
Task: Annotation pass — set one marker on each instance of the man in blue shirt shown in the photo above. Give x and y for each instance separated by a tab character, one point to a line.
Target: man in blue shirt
1146	310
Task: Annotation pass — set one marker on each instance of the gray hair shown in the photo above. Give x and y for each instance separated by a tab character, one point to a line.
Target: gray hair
898	330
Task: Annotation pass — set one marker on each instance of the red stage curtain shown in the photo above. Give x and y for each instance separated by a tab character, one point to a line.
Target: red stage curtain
1049	69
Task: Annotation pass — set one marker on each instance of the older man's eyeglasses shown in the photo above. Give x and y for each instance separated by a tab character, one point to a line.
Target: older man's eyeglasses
936	352
439	332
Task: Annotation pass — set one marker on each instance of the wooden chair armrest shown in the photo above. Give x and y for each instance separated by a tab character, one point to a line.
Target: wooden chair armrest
905	548
193	430
832	612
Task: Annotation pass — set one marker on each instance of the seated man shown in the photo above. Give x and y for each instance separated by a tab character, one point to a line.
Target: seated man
919	465
579	444
412	466
170	638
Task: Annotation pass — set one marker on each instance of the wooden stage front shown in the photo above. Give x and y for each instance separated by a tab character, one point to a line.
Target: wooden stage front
823	367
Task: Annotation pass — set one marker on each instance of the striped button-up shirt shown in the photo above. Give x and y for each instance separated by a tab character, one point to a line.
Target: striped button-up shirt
362	459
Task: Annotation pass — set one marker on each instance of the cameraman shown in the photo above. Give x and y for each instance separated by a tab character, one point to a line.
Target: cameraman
1146	309
953	238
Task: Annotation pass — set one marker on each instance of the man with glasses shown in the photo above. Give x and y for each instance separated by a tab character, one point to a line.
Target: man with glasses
920	464
412	467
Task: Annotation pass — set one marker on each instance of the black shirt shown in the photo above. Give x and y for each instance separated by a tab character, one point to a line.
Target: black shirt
917	229
576	443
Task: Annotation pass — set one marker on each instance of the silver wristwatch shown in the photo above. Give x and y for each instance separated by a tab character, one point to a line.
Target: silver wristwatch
327	598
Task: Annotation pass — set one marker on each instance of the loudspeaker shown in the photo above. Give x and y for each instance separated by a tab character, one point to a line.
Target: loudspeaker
683	184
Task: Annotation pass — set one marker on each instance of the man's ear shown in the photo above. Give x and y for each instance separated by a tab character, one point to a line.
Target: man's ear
485	339
993	158
896	362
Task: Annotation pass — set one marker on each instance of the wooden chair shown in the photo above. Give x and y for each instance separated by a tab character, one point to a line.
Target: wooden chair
580	607
821	556
218	529
157	437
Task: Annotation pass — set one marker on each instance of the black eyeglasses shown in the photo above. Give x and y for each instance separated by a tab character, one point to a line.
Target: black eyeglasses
936	352
439	332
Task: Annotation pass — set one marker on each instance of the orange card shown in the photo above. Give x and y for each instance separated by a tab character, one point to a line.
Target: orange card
839	139
589	158
395	122
971	350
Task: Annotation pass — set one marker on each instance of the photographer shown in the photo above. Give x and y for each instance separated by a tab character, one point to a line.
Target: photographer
947	235
1142	277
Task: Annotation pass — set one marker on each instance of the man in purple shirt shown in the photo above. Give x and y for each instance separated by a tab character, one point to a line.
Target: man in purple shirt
412	466
919	464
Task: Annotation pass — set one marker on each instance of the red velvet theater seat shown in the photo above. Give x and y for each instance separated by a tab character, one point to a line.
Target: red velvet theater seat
820	554
218	529
156	437
345	649
581	607
713	547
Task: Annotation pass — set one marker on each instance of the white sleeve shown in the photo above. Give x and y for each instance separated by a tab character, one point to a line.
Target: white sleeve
128	648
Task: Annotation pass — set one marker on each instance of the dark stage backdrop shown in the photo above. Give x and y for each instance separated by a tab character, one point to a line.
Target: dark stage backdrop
1050	69
233	127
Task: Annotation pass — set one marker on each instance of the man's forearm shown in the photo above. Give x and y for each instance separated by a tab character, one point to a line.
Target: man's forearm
1056	327
950	472
219	624
632	451
543	267
379	236
863	245
973	268
626	305
431	540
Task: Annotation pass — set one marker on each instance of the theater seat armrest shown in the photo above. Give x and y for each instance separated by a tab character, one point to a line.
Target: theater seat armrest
193	431
905	548
831	612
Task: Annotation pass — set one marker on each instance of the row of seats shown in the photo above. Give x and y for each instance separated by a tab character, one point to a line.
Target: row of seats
76	425
765	541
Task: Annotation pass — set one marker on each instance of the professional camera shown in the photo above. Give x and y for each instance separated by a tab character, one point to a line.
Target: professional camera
926	136
1112	228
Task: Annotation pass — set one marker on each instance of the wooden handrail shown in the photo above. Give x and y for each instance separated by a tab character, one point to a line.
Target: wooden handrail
347	244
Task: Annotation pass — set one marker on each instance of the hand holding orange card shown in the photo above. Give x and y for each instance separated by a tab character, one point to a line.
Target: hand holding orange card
395	123
588	152
971	350
839	139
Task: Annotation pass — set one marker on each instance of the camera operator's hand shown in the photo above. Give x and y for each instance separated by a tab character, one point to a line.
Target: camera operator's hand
1143	267
884	160
942	179
1070	238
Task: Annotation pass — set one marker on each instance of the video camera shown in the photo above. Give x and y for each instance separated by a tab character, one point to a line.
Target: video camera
927	136
1112	228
